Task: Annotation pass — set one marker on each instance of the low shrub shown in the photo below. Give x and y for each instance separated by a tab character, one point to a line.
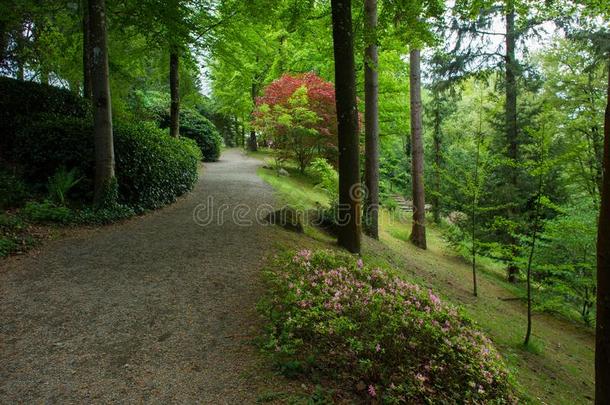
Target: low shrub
370	332
12	237
103	216
152	168
46	211
61	183
13	191
195	126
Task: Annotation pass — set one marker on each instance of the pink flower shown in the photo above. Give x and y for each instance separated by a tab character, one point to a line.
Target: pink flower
360	263
435	300
372	391
378	348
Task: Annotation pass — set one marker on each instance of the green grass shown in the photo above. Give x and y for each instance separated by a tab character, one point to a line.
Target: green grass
557	367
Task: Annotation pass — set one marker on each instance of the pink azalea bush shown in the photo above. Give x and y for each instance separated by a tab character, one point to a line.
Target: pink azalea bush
333	317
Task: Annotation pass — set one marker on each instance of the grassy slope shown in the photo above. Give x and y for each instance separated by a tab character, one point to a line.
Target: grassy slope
557	369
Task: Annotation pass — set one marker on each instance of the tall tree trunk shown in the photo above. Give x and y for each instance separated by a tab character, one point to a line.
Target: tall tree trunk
371	120
602	333
349	221
437	140
87	57
102	119
511	112
174	89
418	231
252	144
20	54
528	331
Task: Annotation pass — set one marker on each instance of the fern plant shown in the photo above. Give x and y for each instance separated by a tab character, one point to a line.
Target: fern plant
61	183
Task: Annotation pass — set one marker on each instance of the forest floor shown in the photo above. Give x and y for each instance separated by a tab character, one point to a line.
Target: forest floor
557	368
155	309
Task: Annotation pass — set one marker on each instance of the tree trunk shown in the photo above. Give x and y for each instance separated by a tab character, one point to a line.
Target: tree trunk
475	203
528	332
19	57
602	333
511	111
418	231
252	144
349	221
87	62
102	119
174	88
437	140
371	120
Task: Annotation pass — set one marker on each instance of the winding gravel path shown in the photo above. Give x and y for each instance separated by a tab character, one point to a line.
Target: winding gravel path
158	309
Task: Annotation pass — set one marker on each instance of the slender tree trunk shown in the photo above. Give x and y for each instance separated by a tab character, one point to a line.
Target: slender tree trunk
349	221
20	58
174	88
511	112
418	232
475	202
602	333
437	140
528	332
3	41
371	120
87	57
102	119
252	144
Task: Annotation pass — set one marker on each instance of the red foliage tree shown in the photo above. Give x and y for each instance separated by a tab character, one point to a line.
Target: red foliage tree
320	100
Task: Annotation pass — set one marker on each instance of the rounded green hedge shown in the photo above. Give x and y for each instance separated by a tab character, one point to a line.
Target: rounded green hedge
195	126
152	168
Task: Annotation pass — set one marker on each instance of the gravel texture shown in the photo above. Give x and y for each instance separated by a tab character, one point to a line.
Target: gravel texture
157	309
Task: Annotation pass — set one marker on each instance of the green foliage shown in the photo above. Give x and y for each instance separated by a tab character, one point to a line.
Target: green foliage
12	234
46	212
326	176
197	127
363	328
61	183
52	141
152	168
22	101
103	216
565	263
13	191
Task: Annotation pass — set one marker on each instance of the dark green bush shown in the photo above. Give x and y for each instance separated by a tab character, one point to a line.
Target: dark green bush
152	168
13	190
195	126
54	141
20	101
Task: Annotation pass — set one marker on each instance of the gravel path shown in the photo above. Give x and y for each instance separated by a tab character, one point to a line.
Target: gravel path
158	309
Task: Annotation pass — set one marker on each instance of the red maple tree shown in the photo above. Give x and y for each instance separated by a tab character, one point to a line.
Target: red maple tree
278	95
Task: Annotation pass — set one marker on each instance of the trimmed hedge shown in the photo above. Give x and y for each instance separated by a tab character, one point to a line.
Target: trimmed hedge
152	168
20	101
195	126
